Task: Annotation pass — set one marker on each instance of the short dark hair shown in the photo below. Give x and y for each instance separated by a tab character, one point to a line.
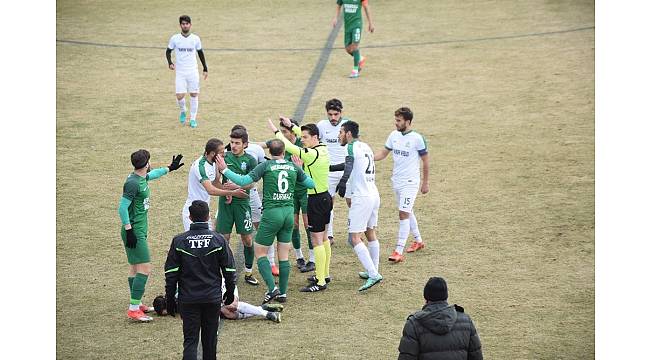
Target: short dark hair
312	129
160	304
184	18
239	134
404	112
334	104
199	211
352	127
140	158
294	122
213	145
276	147
238	126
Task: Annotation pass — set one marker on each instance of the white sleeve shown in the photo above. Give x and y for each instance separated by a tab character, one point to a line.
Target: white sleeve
422	144
389	144
171	43
198	43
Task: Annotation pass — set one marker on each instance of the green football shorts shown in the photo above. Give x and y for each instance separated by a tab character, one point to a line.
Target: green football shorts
352	36
276	222
238	214
300	202
139	254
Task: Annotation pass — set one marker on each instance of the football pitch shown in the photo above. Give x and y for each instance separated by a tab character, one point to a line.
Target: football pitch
502	90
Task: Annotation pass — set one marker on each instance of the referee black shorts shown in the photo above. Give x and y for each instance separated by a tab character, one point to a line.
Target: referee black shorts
319	209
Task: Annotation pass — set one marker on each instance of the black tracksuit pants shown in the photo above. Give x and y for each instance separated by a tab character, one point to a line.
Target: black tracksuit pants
203	318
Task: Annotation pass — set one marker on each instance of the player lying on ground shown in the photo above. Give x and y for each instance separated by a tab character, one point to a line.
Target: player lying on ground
237	310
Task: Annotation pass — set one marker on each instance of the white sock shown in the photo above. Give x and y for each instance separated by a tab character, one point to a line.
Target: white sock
242	316
134	307
366	260
181	104
271	255
330	227
415	230
311	256
194	107
246	308
299	254
373	249
248	271
402	235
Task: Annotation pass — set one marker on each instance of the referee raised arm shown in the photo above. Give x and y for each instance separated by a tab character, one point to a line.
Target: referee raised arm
319	202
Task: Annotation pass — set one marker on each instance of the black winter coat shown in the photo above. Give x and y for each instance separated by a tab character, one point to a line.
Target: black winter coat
440	331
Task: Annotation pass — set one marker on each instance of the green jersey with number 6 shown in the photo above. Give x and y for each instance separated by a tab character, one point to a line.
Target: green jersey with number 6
280	177
136	189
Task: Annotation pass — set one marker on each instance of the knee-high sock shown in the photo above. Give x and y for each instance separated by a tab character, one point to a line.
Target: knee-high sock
320	257
330	226
402	235
248	309
264	267
131	283
283	282
194	107
249	256
271	254
311	247
137	290
366	260
181	104
328	257
357	57
415	230
295	238
373	249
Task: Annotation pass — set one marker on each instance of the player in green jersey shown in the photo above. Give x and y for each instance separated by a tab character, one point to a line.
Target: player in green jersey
280	179
133	213
319	202
238	211
299	205
353	24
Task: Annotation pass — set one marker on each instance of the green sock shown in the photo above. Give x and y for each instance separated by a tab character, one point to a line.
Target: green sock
264	267
357	58
249	256
295	238
137	290
311	247
131	283
285	268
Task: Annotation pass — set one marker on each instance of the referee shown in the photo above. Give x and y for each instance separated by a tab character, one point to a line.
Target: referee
319	202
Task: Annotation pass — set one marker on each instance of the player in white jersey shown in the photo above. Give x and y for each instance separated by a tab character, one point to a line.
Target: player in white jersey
359	174
185	45
408	148
329	134
203	182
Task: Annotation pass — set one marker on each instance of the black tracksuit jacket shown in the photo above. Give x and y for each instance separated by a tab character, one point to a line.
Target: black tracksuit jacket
196	262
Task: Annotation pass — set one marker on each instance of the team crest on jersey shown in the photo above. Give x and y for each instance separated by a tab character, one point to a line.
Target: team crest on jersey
408	144
244	166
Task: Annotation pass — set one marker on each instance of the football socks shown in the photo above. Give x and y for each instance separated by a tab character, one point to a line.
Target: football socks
357	57
364	256
137	290
249	255
415	230
328	256
373	249
319	254
194	107
402	235
264	267
246	308
283	282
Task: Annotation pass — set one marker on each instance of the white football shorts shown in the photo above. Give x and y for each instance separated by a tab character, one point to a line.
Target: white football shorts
405	196
256	205
187	82
333	179
363	214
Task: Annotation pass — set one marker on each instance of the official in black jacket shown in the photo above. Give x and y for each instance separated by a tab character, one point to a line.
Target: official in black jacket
196	262
439	331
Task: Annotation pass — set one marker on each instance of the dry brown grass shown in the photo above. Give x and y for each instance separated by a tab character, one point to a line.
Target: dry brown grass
509	221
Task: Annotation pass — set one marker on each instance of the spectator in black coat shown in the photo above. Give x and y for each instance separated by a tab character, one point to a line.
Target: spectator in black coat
439	331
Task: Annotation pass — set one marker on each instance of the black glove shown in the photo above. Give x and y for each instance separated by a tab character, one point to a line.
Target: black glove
171	305
131	239
176	163
340	189
229	297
